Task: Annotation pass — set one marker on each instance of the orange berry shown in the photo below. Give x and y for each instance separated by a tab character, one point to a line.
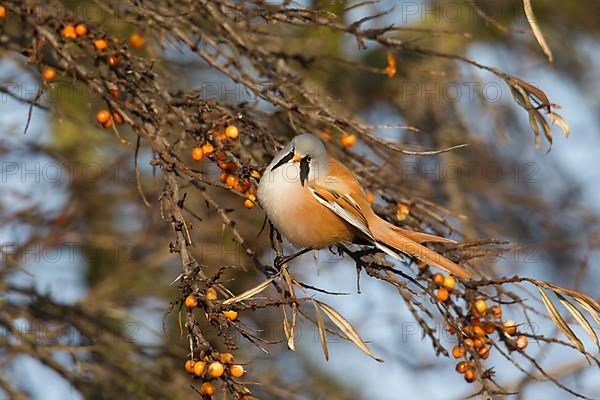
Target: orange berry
221	137
497	312
107	124
222	176
136	40
208	148
478	343
100	44
402	212
249	204
451	330
211	294
458	351
442	294
469	343
2	12
118	118
232	132
227	166
449	282
480	306
197	153
112	61
489	328
241	186
191	301
468	330
103	116
231	180
438	278
370	197
251	197
509	327
199	368
390	71
68	32
207	389
114	92
470	375
226	358
521	342
484	352
478	331
237	371
216	369
81	29
348	140
462	367
49	74
255	174
189	366
230	315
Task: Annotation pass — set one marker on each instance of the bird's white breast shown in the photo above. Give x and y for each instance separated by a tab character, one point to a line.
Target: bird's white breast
281	196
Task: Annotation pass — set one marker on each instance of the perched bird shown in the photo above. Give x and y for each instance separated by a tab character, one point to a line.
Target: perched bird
316	202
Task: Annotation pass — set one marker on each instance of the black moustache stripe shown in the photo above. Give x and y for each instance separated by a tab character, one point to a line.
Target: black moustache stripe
304	169
285	159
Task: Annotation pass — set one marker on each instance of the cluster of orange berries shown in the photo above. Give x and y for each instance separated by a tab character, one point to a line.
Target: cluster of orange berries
70	31
209	371
206	149
474	336
445	283
106	119
228	176
2	12
191	302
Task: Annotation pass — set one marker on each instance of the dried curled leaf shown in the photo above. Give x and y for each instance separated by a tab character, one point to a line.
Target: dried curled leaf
290	328
249	293
533	100
580	318
347	329
560	322
537	32
558	120
588	303
321	326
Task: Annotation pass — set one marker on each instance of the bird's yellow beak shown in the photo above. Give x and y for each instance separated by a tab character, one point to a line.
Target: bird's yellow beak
296	158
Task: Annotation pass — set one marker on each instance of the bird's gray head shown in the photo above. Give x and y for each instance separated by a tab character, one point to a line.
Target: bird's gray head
307	150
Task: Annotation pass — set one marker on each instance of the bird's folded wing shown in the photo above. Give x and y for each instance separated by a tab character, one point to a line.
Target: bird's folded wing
343	206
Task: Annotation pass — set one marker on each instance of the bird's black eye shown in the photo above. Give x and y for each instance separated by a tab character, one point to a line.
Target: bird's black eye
308	158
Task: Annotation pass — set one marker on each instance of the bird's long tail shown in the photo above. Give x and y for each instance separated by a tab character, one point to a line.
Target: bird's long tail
389	238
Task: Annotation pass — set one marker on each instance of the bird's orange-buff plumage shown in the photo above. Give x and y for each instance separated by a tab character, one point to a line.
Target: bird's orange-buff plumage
328	206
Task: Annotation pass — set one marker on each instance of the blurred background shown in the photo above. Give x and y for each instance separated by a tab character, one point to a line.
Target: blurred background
94	266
